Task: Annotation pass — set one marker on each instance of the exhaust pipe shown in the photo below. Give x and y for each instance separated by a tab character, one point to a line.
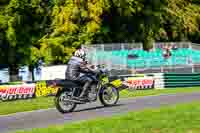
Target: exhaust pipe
75	101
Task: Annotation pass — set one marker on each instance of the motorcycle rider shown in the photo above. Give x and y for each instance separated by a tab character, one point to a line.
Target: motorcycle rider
77	66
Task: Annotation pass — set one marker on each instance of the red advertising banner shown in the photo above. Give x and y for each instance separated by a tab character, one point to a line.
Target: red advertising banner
139	83
10	92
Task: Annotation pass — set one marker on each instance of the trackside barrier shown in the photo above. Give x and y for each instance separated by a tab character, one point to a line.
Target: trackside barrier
44	88
11	92
27	90
159	81
139	83
165	80
133	82
173	80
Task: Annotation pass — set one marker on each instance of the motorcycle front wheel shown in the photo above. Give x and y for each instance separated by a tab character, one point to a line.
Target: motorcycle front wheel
109	95
62	105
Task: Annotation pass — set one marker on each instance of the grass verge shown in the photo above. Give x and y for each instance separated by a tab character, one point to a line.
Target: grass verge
127	94
183	118
25	105
47	102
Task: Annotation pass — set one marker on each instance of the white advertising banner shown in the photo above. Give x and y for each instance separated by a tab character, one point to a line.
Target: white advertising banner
53	72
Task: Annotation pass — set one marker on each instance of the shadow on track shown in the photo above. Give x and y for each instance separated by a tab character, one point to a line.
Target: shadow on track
98	107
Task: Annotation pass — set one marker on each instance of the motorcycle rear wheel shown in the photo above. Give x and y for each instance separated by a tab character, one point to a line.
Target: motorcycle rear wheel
64	106
106	94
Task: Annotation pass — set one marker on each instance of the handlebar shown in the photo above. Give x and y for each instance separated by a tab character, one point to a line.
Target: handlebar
101	66
96	68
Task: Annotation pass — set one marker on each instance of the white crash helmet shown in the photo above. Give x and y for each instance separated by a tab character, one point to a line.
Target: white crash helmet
80	53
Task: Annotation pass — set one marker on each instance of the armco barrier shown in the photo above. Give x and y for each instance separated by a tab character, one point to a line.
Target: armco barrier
139	83
135	82
181	80
43	88
27	90
13	92
159	81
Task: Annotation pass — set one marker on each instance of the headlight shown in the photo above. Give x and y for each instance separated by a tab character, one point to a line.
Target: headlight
104	70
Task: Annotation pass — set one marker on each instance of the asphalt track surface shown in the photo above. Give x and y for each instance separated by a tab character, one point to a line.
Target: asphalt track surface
49	117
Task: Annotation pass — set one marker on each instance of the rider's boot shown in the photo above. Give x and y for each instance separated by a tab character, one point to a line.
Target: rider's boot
83	93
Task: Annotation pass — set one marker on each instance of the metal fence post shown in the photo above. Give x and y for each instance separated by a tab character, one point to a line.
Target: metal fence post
190	58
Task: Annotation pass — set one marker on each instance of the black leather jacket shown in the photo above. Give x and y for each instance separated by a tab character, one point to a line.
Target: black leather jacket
74	68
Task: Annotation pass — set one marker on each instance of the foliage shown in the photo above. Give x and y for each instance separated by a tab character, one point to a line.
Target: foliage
180	21
52	29
23	23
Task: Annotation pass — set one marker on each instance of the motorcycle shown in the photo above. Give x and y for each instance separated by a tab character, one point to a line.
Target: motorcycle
103	87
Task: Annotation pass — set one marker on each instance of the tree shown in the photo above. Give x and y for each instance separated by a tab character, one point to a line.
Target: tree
26	23
74	22
180	21
31	30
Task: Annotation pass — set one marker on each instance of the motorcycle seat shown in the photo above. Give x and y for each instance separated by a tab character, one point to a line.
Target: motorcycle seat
67	82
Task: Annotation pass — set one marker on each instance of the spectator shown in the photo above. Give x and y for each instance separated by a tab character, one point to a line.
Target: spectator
174	47
132	56
167	52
